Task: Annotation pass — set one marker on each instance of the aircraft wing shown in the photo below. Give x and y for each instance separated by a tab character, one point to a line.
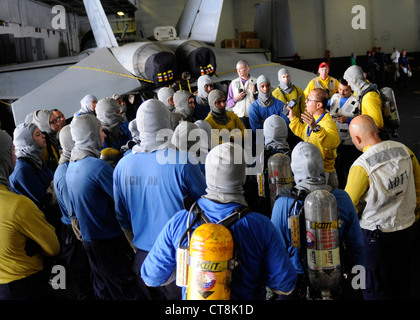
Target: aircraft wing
99	74
19	79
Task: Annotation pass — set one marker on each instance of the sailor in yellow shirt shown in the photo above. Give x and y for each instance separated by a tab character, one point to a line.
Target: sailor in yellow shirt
371	102
25	236
319	129
287	91
220	119
323	81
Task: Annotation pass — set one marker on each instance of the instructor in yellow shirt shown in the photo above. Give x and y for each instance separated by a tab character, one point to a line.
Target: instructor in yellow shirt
319	129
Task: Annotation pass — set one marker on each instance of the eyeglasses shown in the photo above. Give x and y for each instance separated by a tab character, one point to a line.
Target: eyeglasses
307	99
220	101
59	118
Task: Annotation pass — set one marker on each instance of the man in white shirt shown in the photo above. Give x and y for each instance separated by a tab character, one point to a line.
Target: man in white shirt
242	93
395	56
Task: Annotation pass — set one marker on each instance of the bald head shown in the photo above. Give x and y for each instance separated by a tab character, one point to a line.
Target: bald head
363	131
363	124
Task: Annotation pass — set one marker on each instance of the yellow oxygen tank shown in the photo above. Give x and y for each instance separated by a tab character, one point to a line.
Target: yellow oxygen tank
209	271
110	155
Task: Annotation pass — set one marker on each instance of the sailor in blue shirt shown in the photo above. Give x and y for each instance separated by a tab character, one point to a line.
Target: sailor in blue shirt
89	183
116	130
266	105
60	185
72	251
308	170
151	182
31	177
258	246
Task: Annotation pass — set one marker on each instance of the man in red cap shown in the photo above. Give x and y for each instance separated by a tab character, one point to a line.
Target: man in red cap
323	81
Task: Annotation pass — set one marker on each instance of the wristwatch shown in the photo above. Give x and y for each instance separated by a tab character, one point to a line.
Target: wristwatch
317	128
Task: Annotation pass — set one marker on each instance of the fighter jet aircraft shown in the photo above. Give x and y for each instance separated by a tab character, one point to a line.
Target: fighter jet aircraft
140	66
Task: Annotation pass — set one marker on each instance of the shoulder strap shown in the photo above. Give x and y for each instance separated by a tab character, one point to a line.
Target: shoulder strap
190	205
370	89
199	215
227	222
239	213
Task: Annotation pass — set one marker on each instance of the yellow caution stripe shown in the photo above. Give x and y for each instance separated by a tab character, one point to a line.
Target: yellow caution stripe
111	72
7	104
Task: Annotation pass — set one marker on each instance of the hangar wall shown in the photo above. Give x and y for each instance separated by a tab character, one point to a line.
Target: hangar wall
318	25
24	18
388	24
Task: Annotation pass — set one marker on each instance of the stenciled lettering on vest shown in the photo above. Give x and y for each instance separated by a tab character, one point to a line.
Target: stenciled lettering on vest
137	181
133	180
397	180
153	181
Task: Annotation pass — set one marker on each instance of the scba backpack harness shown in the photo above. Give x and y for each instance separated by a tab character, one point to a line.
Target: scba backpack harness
389	111
205	264
315	234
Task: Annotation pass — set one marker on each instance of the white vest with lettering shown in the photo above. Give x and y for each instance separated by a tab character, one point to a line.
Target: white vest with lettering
351	105
391	198
241	107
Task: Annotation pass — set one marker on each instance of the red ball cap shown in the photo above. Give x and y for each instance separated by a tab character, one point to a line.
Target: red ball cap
323	65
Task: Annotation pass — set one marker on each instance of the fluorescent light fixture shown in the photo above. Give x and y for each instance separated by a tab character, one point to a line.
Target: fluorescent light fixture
120	13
